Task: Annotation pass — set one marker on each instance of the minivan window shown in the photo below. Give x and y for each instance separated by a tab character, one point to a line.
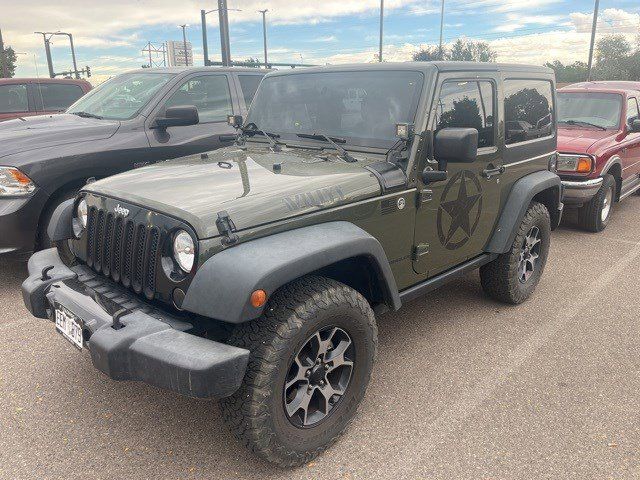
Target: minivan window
122	97
528	110
584	108
13	98
360	107
249	85
209	94
52	97
468	104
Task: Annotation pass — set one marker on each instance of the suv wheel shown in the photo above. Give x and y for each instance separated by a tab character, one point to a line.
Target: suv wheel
311	358
513	276
594	216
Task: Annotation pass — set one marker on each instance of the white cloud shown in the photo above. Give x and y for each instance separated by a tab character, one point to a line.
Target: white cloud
326	39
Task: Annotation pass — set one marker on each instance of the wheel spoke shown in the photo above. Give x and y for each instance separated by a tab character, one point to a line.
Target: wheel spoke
299	376
336	356
301	401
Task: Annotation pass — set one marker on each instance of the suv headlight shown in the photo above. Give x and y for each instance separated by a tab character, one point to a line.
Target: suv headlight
184	250
14	183
80	217
575	163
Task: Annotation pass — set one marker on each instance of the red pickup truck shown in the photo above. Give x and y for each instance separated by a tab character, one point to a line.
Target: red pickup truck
26	97
599	147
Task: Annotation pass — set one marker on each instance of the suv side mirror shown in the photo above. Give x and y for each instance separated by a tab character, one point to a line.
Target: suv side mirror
181	116
456	145
635	126
235	120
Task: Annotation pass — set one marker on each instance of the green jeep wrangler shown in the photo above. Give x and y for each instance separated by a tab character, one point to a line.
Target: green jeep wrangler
253	274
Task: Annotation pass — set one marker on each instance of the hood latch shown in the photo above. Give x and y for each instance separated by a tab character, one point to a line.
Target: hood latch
226	227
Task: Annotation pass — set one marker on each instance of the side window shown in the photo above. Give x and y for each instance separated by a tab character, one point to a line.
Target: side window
210	95
528	110
52	97
249	85
468	104
632	111
13	98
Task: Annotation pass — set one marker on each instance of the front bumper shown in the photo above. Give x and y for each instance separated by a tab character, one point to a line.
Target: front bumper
19	219
153	346
580	191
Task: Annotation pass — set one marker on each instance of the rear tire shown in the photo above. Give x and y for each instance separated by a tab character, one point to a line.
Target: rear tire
285	367
513	276
595	215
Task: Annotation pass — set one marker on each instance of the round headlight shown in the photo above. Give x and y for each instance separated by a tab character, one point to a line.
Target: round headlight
184	250
82	213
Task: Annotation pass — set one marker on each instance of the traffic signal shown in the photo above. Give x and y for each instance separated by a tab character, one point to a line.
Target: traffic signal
88	68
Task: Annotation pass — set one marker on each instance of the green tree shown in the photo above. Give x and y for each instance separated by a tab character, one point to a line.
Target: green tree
253	62
612	58
12	58
461	50
570	73
428	54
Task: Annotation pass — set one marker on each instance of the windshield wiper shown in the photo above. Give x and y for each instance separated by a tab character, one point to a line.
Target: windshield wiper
321	136
580	122
275	146
87	115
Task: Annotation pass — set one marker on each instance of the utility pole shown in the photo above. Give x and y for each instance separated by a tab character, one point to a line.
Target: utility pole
47	51
441	28
381	29
225	46
264	35
73	53
184	40
205	46
3	59
593	38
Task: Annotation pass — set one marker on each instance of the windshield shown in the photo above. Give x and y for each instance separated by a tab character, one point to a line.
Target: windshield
122	97
599	109
359	107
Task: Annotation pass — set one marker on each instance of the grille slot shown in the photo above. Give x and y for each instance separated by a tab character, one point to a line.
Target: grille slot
124	250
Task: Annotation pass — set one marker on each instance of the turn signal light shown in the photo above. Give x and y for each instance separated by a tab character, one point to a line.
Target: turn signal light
19	177
258	298
584	165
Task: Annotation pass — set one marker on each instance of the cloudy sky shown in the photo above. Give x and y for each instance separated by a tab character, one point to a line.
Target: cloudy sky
110	35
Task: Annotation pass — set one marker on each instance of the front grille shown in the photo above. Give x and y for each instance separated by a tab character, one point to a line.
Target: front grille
123	250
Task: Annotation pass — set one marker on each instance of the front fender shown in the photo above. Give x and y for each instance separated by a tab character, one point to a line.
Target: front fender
223	285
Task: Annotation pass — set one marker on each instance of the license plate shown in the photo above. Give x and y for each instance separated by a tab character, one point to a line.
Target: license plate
69	326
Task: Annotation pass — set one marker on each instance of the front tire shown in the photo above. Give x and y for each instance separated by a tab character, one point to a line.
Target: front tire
595	215
312	353
513	276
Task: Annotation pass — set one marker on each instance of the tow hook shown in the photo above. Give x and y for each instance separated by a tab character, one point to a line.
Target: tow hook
117	324
45	273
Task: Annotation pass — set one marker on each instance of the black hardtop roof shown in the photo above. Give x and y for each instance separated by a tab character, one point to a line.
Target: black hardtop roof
421	66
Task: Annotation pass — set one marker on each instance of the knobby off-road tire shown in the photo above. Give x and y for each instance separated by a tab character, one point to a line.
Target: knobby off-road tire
283	364
504	279
595	215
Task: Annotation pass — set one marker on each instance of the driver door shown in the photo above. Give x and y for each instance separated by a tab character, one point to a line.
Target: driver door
456	216
211	94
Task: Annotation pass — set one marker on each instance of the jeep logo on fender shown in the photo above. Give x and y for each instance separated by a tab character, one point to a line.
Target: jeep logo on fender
121	210
459	210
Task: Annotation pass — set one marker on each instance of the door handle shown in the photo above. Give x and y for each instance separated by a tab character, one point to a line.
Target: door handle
227	138
490	172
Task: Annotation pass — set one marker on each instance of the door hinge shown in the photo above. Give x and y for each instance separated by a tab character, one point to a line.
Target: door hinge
424	196
420	250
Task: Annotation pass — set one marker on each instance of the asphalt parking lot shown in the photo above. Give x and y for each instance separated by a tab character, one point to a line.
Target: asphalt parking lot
464	387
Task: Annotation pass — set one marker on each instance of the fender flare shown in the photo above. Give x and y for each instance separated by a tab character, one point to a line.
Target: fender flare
614	160
517	204
60	226
222	286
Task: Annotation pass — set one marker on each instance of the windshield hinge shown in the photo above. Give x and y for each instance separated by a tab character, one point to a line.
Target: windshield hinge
420	250
226	227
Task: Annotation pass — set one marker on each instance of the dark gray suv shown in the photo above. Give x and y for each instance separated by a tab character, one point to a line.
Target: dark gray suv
132	120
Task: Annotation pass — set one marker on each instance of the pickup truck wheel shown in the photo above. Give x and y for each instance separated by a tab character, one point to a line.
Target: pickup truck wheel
595	215
312	353
513	276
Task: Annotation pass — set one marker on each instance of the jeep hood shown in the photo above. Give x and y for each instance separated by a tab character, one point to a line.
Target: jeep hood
579	140
46	131
245	184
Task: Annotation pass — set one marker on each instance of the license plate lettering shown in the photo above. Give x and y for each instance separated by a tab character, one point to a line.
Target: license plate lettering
69	326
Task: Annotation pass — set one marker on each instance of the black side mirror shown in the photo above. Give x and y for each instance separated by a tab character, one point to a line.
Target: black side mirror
456	145
432	176
235	120
635	126
181	116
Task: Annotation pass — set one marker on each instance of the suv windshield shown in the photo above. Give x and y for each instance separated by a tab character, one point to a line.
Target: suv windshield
122	97
360	107
590	108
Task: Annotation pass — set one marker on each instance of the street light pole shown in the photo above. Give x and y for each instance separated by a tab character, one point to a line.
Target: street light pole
184	40
593	38
205	46
381	29
441	27
264	34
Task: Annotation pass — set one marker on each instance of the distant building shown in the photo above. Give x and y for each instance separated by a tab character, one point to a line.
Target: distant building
176	53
